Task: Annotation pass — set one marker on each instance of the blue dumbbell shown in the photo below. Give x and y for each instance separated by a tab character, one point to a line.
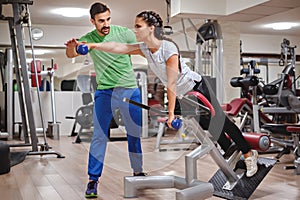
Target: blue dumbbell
82	49
176	123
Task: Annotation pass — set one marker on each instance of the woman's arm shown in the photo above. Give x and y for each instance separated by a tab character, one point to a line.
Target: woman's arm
172	75
117	48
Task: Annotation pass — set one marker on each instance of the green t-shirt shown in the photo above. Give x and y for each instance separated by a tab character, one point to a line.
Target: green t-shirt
112	70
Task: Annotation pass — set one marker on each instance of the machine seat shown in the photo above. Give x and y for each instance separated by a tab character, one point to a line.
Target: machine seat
280	129
293	128
235	106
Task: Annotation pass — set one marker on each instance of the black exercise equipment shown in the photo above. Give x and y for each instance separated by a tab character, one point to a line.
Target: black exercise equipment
84	117
277	91
68	85
4	158
85	113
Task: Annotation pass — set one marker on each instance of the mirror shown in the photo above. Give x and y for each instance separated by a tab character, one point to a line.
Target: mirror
37	33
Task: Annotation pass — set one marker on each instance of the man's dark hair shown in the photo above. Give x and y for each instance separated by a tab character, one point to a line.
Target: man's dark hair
97	8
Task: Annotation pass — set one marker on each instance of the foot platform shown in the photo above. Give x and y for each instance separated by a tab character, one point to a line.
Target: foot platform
245	186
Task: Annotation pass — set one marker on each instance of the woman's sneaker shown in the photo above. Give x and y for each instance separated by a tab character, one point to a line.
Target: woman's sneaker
251	164
91	191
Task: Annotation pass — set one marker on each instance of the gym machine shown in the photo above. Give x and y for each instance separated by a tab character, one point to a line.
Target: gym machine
84	114
275	110
282	93
21	18
209	55
228	182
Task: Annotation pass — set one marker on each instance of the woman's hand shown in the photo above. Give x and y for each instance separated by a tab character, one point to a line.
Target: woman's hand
171	117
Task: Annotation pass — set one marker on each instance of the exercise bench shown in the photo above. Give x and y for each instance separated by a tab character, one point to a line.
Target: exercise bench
228	182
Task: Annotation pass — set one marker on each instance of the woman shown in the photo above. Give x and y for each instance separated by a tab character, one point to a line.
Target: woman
163	58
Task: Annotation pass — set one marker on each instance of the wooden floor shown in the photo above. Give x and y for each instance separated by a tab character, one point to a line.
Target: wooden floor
51	178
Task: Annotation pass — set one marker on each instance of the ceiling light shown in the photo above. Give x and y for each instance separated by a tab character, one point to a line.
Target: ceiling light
71	12
281	25
38	51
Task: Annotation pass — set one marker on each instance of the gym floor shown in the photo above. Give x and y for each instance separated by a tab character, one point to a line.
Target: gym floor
49	178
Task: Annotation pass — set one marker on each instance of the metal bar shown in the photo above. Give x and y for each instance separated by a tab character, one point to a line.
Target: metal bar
141	78
9	92
193	25
16	1
215	153
52	96
18	78
145	106
276	110
218	57
162	112
185	35
195	103
24	72
36	77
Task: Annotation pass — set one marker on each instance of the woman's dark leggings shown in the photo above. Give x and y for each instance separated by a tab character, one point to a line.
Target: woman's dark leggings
229	127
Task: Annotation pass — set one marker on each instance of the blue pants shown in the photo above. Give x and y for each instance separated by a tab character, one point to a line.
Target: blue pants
106	102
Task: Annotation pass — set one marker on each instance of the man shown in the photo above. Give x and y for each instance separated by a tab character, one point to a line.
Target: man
116	80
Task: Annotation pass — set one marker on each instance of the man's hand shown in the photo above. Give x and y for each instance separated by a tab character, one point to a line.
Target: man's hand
70	44
71	48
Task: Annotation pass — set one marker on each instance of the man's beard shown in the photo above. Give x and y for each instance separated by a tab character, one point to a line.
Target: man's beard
105	30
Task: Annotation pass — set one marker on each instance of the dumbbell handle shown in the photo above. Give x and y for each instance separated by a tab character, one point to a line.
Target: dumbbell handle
82	49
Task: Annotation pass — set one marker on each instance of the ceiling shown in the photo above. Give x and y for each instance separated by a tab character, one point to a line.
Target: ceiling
252	19
123	13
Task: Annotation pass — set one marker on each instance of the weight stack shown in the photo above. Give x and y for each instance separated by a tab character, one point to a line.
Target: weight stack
4	158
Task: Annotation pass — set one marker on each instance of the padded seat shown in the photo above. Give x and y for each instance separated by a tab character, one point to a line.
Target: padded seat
293	128
235	106
278	128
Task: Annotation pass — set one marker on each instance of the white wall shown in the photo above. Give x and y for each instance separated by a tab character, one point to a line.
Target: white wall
267	43
270	44
66	104
54	36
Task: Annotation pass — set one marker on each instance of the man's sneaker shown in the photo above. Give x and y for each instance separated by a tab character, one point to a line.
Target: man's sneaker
251	164
91	191
140	174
